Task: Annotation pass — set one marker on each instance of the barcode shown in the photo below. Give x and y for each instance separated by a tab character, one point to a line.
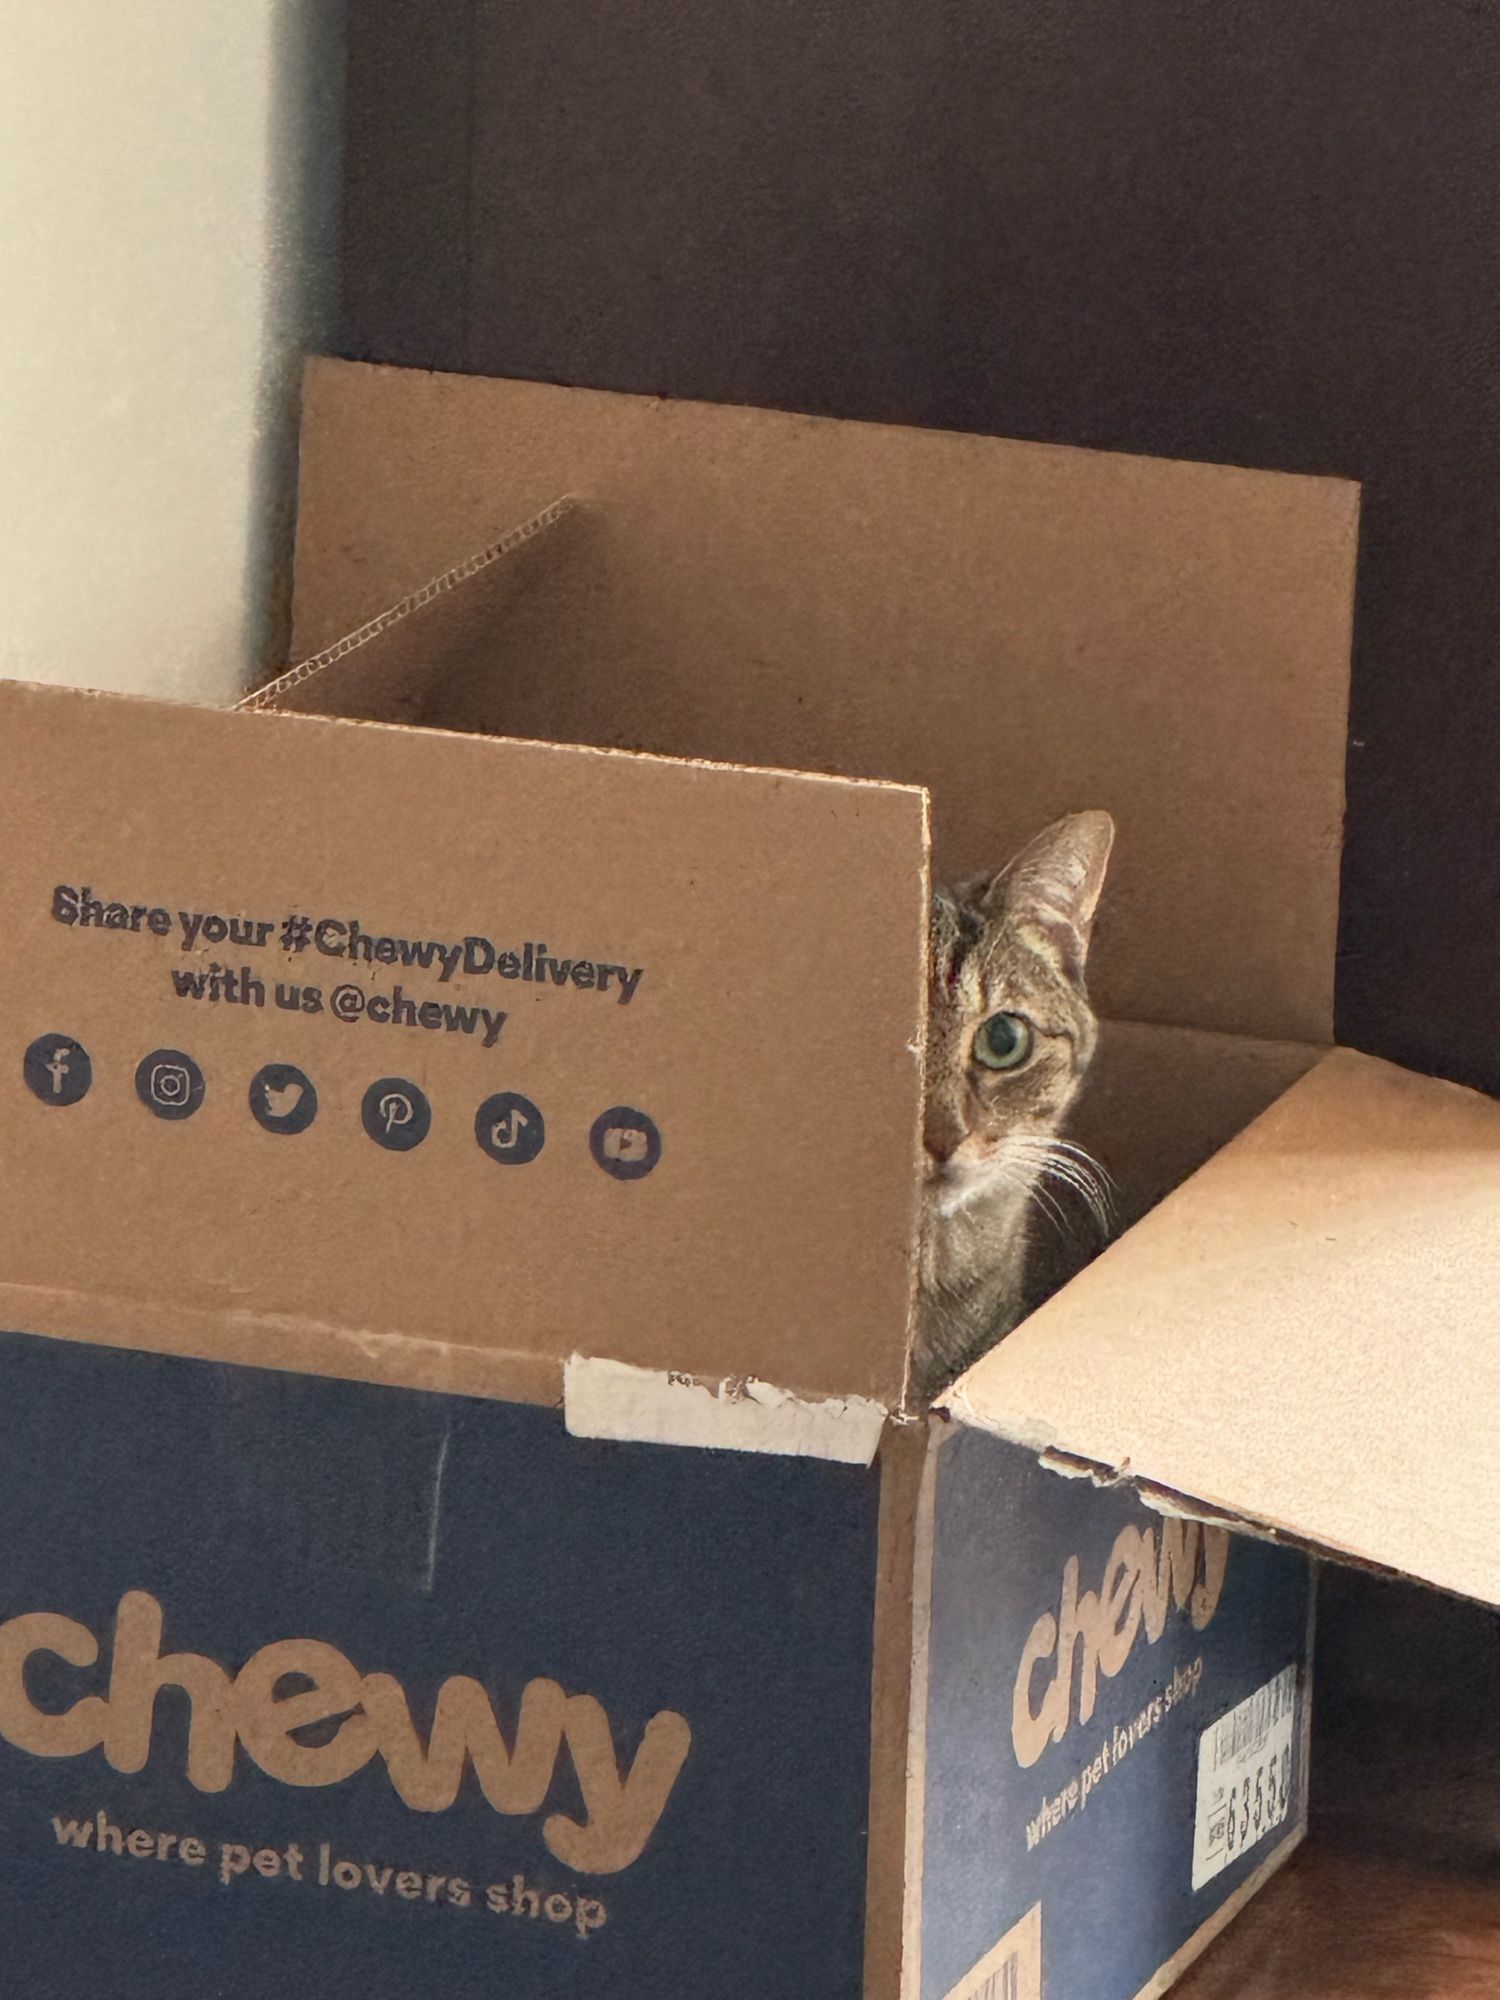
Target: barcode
1004	1983
1250	1724
1247	1776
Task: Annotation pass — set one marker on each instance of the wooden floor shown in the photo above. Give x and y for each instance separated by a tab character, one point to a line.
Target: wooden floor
1340	1925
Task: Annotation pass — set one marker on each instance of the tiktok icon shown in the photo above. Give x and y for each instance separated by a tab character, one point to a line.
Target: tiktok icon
57	1069
510	1129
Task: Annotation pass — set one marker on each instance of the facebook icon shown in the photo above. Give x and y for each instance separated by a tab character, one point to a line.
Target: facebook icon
57	1069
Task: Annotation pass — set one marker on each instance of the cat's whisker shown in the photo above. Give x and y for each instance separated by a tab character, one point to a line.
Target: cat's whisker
1056	1148
1020	1179
1099	1208
1064	1157
1070	1166
1085	1159
1089	1206
1048	1204
1095	1191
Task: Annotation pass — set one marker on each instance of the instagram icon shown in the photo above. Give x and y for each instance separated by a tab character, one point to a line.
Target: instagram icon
169	1084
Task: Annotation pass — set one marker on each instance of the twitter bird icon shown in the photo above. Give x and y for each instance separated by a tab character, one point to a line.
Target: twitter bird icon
282	1098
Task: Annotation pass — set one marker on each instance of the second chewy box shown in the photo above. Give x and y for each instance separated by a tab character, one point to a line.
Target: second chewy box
406	1133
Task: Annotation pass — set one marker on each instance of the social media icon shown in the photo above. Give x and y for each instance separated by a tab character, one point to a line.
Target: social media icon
282	1098
396	1114
169	1084
510	1129
57	1069
625	1143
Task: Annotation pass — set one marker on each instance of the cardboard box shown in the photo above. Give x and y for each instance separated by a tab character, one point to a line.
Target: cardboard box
460	1200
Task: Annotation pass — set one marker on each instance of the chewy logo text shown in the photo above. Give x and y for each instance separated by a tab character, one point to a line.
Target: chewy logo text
620	1813
1099	1629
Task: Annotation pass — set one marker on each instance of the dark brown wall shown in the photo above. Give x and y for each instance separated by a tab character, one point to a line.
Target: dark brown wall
1264	233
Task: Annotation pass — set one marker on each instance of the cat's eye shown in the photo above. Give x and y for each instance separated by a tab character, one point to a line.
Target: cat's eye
1004	1041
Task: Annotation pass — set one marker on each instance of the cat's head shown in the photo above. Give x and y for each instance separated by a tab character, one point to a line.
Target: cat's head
1010	1030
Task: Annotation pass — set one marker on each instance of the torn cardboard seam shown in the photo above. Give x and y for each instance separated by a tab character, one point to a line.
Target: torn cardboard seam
1175	1505
1160	1499
628	1405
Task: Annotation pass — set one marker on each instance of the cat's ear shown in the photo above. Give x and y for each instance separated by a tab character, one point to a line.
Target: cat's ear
1053	885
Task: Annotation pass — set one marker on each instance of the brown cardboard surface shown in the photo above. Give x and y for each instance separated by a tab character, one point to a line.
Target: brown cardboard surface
439	655
1305	1336
780	921
1026	629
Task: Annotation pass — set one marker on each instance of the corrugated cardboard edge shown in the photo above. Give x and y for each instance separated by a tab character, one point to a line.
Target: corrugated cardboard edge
272	693
924	1532
1222	1917
290	1345
904	1455
253	704
624	1404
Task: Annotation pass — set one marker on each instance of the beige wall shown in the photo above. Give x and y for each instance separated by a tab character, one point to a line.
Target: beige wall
167	198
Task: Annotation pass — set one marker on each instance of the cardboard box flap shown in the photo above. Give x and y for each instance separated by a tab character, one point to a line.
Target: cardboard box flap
436	657
1024	629
396	1052
1305	1336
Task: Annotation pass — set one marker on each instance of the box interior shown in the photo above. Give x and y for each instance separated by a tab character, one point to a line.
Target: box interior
1019	628
1022	629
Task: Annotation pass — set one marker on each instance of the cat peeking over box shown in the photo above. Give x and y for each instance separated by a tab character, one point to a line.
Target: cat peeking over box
1010	1036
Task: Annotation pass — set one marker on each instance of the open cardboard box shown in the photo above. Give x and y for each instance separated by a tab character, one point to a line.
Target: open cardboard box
482	1412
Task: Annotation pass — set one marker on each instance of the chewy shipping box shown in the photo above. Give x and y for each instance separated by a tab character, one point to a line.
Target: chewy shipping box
465	1532
331	1647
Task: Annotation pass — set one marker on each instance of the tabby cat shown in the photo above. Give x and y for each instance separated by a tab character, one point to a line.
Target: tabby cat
1010	1035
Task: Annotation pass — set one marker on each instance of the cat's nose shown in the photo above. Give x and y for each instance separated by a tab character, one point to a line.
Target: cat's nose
941	1140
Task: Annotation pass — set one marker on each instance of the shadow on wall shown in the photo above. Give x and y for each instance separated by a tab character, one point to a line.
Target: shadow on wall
304	154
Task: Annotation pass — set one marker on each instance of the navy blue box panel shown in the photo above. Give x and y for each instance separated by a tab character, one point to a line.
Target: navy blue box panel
438	1559
1083	1653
